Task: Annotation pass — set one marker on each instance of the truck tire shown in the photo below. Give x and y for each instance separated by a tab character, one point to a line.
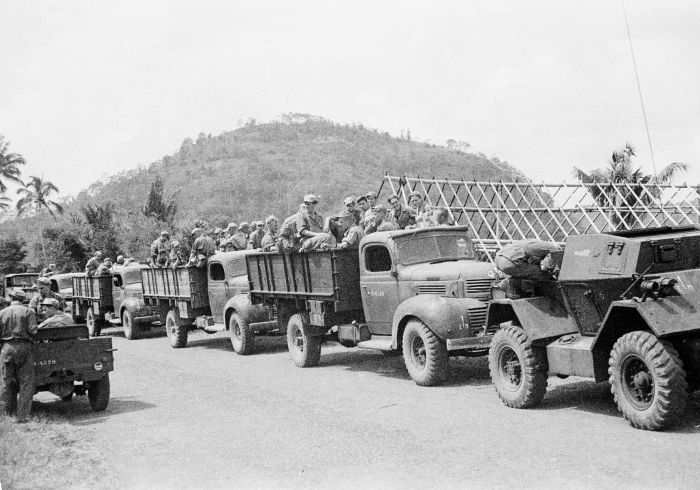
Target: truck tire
176	330
518	370
98	393
242	337
647	380
304	348
424	354
131	329
94	324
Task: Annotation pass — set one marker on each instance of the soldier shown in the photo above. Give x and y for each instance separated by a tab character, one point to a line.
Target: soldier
105	268
160	249
310	227
380	212
202	249
353	232
44	285
48	271
54	316
351	208
239	240
17	330
269	241
176	257
364	207
419	210
442	217
93	264
288	235
120	260
524	263
217	237
245	229
368	215
255	239
398	214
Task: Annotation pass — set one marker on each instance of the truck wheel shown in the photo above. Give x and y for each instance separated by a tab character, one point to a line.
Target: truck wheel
242	337
98	393
94	324
518	370
424	354
131	330
647	380
305	349
176	330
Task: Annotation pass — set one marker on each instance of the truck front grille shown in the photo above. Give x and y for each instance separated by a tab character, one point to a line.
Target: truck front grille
477	288
477	317
432	288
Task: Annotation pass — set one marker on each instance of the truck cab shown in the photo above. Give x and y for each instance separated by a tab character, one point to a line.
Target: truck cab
24	281
129	309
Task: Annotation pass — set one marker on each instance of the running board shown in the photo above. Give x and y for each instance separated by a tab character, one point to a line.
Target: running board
376	344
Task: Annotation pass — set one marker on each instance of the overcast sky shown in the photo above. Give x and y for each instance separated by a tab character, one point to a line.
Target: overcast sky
91	88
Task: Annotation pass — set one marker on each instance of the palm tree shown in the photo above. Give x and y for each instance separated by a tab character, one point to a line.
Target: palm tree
5	202
9	164
36	192
620	170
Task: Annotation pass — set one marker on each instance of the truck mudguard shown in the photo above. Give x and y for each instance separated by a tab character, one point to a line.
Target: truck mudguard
249	312
448	318
135	306
540	317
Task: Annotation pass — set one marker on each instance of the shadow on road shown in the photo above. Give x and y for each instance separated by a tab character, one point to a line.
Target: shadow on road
263	344
155	331
592	397
463	371
78	410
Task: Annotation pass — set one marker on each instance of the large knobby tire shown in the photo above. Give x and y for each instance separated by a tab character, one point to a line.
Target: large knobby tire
647	380
242	337
424	354
304	348
94	324
98	393
131	329
518	370
176	330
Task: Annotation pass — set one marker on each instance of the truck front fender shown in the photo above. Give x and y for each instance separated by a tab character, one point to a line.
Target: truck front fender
540	317
249	312
448	318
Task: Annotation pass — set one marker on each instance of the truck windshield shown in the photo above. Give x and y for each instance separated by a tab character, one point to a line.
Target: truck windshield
21	281
432	248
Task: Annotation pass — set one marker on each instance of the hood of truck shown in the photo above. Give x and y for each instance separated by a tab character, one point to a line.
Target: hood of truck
447	271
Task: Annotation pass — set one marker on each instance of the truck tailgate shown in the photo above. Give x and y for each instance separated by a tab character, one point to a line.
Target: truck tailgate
72	360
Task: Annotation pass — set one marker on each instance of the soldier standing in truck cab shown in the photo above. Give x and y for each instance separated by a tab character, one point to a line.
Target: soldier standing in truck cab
17	331
44	285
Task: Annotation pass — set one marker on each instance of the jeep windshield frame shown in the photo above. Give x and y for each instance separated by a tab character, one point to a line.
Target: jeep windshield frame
433	247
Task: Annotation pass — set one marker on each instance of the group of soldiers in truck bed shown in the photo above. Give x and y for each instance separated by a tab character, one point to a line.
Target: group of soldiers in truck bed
304	231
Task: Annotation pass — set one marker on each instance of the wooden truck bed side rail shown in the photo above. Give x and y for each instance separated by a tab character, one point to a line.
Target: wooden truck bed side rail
180	284
331	275
96	289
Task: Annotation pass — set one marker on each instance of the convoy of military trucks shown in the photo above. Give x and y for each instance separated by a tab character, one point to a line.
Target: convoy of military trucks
623	309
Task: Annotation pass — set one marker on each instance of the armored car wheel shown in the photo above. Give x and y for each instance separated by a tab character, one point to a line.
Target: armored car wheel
647	380
94	324
518	370
98	393
304	348
424	354
176	330
131	329
242	337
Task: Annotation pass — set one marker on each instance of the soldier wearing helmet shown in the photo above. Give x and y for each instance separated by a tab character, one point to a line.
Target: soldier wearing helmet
54	316
44	285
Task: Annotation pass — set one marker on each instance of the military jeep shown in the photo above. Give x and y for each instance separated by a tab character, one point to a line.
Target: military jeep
625	309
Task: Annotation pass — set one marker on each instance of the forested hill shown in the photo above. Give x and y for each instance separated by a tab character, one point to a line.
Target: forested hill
241	175
261	169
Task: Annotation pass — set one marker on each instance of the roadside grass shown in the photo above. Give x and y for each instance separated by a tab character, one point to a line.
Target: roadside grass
48	452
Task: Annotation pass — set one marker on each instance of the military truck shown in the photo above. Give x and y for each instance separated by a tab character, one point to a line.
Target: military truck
624	309
421	292
115	299
63	285
24	281
211	299
69	363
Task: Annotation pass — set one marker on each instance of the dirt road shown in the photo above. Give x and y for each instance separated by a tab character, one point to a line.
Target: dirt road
204	417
